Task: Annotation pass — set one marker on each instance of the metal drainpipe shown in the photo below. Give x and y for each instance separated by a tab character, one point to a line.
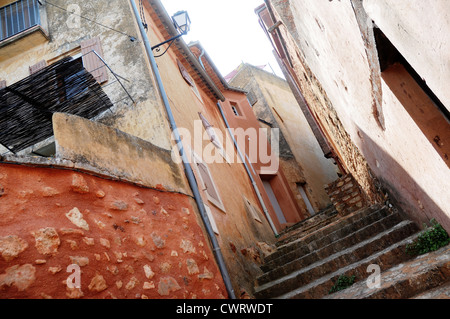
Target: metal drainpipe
187	167
258	193
200	57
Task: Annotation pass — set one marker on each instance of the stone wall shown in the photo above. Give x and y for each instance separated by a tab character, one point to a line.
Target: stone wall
129	241
346	195
387	153
277	105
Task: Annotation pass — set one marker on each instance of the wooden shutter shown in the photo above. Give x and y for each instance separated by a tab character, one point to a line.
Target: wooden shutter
91	62
185	74
253	210
207	181
2	84
268	22
37	67
211	220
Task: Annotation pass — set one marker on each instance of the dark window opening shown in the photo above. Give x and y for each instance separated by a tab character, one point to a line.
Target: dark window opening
424	107
389	55
235	109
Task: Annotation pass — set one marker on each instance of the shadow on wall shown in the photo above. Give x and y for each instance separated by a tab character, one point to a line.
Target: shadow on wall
403	190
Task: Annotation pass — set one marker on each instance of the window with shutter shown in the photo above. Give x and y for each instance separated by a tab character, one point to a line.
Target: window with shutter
91	61
213	137
209	186
211	220
185	74
254	212
207	181
37	67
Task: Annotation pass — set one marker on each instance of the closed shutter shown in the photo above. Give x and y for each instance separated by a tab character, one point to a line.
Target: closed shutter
268	22
211	220
251	97
207	181
252	210
2	84
37	67
91	62
185	74
209	129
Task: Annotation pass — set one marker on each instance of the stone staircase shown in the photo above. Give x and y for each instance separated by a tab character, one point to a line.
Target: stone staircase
313	254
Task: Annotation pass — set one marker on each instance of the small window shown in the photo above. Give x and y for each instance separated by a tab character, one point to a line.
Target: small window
184	72
72	83
235	109
254	212
208	185
213	137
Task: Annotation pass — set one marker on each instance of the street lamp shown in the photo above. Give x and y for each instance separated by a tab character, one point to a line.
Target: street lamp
182	23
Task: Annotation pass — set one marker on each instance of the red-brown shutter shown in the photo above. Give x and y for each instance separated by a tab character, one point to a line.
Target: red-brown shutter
2	84
91	61
185	74
268	22
37	67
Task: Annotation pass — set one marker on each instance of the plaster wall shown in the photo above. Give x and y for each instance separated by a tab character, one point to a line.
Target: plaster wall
243	240
145	119
129	242
331	60
277	105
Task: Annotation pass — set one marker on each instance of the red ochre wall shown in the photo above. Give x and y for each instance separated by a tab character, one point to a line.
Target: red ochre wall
134	242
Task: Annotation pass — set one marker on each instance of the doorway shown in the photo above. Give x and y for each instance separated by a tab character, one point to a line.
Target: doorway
274	202
302	190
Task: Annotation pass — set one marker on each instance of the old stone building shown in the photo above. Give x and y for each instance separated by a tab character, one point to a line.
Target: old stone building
302	158
370	76
93	175
374	79
265	168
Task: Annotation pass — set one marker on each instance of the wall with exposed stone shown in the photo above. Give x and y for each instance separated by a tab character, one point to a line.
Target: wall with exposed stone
334	57
129	241
300	152
146	118
346	195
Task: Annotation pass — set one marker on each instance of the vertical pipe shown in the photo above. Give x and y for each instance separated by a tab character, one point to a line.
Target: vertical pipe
258	193
255	187
187	167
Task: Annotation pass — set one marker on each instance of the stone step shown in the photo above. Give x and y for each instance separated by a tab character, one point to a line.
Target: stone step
333	222
309	224
324	247
422	277
326	235
340	260
385	259
441	292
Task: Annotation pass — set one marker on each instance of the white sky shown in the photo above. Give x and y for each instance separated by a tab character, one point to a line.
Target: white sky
228	30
